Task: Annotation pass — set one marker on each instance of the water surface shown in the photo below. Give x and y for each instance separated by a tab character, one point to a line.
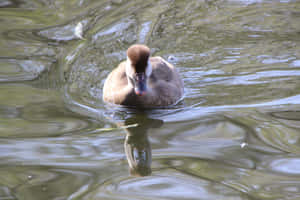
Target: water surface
236	134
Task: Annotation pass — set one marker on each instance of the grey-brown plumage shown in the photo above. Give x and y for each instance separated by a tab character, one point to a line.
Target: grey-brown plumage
163	86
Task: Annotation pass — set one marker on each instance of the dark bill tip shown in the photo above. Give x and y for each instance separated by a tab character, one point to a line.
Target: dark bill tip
139	92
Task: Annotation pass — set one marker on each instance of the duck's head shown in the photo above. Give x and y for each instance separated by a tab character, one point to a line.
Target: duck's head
138	68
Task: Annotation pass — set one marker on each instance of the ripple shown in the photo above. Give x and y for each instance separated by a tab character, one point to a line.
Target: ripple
21	70
228	61
288	115
278	136
37	113
249	181
284	190
262	77
168	184
120	29
295	63
274	133
288	165
212	138
267	59
40	182
289	118
62	33
7	193
6	3
80	152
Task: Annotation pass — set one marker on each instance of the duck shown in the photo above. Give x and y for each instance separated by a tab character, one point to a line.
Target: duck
143	81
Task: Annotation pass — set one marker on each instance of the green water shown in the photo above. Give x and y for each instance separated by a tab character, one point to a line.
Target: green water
236	134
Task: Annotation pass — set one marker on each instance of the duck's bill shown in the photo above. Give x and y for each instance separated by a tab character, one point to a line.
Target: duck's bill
140	85
140	90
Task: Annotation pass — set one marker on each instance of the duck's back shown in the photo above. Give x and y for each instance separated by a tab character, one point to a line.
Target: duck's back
165	80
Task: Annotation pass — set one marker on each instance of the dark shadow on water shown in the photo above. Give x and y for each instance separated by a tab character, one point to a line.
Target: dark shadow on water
137	145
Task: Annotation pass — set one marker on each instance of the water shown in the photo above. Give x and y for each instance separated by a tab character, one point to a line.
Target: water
235	136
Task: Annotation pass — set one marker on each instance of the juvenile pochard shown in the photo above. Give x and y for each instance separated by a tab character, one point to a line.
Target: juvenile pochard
143	81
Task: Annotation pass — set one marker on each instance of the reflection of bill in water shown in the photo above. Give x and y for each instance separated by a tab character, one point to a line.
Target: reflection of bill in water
137	145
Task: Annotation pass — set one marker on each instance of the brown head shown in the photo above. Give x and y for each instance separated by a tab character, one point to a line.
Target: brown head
138	67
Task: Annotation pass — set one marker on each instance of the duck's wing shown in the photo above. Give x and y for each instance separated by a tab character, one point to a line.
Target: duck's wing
115	86
164	71
165	81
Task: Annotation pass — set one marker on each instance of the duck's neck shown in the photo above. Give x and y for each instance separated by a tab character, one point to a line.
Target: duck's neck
129	72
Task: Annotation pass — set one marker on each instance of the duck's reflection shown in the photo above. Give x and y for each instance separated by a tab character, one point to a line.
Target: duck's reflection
137	145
